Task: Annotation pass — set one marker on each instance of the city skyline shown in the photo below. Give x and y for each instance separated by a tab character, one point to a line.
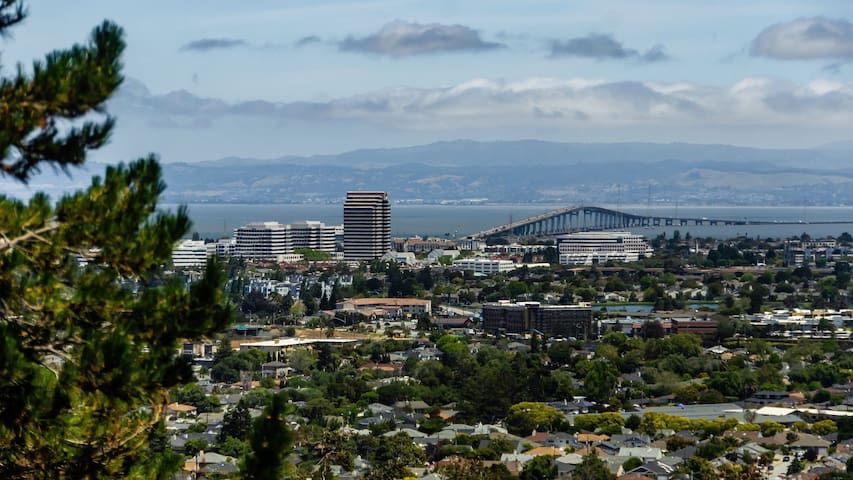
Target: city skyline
264	80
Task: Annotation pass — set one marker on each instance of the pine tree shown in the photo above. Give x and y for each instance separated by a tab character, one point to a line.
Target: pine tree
87	353
269	442
236	423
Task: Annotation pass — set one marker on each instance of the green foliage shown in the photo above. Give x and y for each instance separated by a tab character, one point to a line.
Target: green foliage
796	465
609	421
716	447
592	468
69	85
700	469
768	428
87	354
540	468
819	374
195	445
632	463
652	422
824	427
197	427
560	353
467	469
599	381
675	443
313	255
236	423
393	456
269	442
227	364
633	421
233	447
192	394
525	417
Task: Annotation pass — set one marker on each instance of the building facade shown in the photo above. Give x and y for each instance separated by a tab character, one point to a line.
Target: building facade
421	245
263	241
189	254
314	235
525	317
484	266
222	248
367	226
391	306
588	248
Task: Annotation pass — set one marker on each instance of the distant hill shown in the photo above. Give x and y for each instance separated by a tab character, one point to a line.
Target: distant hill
521	171
520	152
530	171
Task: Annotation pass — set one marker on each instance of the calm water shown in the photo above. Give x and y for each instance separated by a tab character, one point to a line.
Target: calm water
649	308
215	220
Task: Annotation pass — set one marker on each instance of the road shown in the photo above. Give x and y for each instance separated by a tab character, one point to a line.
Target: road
780	467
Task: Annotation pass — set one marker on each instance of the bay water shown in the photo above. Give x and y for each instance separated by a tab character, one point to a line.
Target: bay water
456	221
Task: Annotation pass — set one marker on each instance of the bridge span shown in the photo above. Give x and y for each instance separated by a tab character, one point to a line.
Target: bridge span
590	218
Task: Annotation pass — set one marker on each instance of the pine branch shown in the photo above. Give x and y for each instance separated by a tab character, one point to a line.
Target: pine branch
37	111
7	244
11	12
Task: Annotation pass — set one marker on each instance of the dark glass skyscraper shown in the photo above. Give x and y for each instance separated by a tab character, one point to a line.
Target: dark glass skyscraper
367	225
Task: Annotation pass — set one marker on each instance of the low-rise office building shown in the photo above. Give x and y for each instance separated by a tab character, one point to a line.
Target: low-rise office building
314	235
189	254
263	241
699	326
389	306
588	248
222	248
276	241
485	266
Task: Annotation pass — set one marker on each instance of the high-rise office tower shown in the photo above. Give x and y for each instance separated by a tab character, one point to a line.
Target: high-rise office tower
367	225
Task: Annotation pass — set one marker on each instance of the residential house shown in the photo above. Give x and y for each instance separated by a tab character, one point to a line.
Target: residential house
807	441
656	470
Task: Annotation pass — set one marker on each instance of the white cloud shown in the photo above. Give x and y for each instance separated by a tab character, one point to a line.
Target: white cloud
553	103
400	39
806	38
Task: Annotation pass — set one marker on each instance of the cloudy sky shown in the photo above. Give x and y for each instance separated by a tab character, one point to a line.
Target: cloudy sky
206	79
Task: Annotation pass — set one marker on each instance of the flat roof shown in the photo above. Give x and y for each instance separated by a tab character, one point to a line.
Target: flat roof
294	342
387	301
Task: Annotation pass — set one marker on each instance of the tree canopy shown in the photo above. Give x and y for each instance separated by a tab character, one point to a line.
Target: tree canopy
89	326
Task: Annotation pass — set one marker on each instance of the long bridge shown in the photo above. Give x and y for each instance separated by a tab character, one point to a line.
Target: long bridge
589	218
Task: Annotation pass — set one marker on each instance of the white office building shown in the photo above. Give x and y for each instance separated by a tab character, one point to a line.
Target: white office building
222	248
484	266
588	248
263	241
189	254
314	235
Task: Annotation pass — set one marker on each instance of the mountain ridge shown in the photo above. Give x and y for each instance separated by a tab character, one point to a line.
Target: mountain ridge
513	171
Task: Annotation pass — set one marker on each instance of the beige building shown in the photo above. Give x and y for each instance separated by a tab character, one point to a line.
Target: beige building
389	306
